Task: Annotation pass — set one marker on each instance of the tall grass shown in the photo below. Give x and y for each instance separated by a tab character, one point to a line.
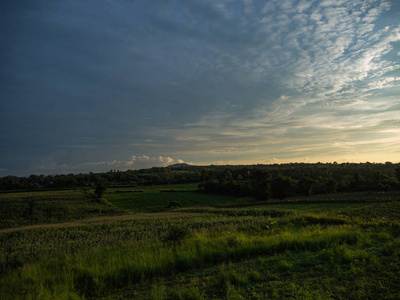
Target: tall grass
91	272
263	252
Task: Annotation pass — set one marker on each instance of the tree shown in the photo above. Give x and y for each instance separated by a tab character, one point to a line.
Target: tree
259	185
305	184
14	183
397	174
101	187
280	187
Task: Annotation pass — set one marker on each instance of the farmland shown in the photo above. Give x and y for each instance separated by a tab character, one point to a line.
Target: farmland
133	244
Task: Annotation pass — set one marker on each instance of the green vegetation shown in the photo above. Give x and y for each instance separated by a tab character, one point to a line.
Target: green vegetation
43	207
259	181
100	189
338	246
294	180
157	198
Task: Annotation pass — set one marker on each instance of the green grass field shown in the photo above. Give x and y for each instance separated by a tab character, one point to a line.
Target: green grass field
157	198
338	250
31	208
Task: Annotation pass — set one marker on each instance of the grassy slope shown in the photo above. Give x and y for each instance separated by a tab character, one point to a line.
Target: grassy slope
314	251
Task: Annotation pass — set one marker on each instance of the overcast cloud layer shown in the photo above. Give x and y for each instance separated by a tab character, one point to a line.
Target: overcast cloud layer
96	85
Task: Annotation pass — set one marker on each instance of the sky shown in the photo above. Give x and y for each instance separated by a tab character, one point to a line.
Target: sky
99	85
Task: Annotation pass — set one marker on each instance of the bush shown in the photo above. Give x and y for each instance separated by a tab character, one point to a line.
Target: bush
84	283
101	187
174	204
232	241
175	234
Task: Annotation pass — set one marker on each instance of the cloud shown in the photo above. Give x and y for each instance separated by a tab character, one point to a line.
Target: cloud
139	162
53	165
274	160
222	163
201	81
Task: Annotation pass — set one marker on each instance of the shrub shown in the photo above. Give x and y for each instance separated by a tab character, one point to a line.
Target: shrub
175	234
84	283
232	241
101	187
174	204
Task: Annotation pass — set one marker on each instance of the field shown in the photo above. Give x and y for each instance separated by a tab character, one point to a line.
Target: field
156	199
41	207
133	244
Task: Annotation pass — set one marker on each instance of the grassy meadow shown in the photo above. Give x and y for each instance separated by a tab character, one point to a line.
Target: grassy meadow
133	244
157	198
45	207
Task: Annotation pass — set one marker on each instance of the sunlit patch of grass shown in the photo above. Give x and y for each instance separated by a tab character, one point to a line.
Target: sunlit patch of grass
89	272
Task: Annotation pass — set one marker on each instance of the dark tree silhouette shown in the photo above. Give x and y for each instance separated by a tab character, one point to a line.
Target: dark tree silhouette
101	187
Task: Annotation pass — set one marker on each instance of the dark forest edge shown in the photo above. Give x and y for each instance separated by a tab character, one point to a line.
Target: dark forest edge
262	182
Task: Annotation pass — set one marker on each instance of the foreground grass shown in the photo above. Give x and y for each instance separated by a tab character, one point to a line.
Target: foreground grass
337	272
252	254
313	251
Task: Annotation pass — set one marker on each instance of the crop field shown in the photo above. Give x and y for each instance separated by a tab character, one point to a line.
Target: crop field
202	250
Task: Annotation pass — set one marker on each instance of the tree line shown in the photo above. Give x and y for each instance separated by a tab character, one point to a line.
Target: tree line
281	181
259	181
143	177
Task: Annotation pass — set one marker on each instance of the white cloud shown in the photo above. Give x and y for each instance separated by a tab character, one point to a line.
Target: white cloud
384	83
222	163
166	160
303	5
274	160
50	164
140	162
